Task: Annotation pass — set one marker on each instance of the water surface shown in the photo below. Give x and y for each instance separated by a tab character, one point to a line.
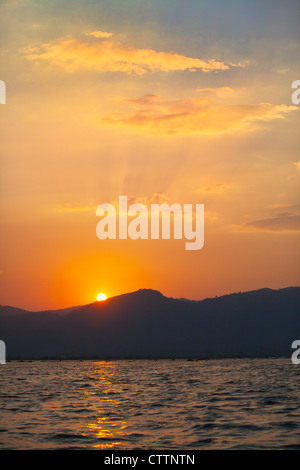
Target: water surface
148	404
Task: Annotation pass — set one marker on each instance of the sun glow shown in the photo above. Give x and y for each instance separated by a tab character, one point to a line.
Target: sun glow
101	297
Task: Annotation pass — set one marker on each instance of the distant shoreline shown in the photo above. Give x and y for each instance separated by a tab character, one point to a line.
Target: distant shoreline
191	359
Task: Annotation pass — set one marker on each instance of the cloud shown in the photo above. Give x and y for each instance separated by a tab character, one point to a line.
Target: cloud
66	207
221	91
214	188
99	34
155	198
100	52
155	114
285	222
293	207
297	164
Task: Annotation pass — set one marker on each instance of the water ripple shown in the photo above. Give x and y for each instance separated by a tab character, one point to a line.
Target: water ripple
175	404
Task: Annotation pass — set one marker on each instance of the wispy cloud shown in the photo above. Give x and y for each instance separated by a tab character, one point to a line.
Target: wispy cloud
220	91
214	188
99	34
101	52
297	164
153	113
155	198
285	222
67	207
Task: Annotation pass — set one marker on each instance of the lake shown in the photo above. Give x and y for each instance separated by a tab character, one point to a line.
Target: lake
150	404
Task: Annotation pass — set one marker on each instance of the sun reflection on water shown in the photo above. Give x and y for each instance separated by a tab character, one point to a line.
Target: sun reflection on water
104	398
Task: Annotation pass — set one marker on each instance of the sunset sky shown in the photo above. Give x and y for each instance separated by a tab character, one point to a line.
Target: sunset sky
161	100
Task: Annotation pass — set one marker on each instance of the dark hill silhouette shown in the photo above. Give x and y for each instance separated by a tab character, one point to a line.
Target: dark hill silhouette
6	310
145	323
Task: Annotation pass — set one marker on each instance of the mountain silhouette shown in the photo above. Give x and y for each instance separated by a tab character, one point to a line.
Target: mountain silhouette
146	324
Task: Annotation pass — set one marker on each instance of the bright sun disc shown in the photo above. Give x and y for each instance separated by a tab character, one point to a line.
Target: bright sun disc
101	297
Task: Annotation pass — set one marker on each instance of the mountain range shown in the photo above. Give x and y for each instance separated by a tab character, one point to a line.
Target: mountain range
146	324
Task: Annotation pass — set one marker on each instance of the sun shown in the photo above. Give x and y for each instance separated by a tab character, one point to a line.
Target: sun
101	297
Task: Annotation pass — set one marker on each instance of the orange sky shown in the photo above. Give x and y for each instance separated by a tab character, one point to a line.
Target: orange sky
109	101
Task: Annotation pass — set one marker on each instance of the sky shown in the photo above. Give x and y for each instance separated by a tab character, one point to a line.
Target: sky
162	100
